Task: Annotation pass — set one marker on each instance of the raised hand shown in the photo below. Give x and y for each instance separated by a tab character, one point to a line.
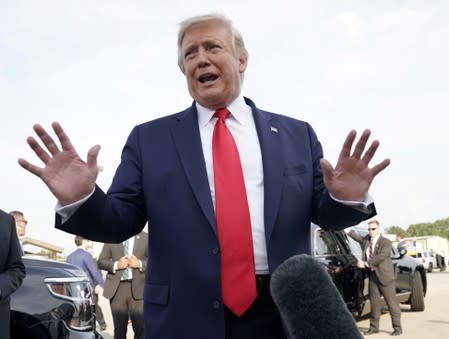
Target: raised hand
351	178
67	176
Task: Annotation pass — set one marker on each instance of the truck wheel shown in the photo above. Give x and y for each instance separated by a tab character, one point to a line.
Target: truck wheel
430	269
417	297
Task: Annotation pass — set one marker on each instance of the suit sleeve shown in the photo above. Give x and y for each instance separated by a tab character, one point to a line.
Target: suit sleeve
384	253
94	272
14	271
356	236
105	261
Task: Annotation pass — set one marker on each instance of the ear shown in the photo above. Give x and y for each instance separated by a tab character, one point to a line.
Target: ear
182	68
243	62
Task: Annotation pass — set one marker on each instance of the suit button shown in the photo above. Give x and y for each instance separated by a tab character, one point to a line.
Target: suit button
215	250
216	305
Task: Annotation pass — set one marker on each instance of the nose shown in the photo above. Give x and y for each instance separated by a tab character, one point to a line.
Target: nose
202	59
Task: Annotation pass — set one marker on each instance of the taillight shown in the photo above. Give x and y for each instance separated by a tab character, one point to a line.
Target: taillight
78	311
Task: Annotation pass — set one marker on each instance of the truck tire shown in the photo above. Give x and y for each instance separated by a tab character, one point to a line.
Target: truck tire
417	297
430	269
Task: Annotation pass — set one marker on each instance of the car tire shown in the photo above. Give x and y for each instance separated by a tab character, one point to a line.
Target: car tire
430	269
417	297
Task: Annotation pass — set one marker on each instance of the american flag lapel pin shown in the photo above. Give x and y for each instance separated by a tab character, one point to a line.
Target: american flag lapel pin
274	129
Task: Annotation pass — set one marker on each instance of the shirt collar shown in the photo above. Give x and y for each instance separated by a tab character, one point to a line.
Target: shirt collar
374	239
240	111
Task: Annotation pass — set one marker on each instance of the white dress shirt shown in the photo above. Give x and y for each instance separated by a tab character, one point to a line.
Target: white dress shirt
242	127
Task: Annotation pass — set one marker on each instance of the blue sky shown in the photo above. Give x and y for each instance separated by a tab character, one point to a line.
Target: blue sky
101	67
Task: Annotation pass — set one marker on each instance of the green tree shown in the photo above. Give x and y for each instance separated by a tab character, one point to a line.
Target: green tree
439	228
396	230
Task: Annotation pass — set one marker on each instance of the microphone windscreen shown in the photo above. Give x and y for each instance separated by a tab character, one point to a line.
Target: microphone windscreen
308	301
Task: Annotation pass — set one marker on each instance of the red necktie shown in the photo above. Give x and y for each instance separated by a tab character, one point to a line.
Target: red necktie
371	250
238	277
371	253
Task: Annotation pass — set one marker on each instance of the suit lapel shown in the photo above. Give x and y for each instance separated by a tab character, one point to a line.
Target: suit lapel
187	139
268	130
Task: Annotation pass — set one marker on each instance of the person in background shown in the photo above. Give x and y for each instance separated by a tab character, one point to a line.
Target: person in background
376	260
229	191
85	261
12	270
126	264
21	223
400	240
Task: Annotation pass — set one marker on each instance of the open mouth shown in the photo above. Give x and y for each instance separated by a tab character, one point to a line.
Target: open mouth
207	77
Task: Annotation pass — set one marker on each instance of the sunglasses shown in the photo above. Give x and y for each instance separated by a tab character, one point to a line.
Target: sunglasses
372	229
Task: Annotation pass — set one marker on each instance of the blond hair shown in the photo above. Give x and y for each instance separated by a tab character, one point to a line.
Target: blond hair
237	39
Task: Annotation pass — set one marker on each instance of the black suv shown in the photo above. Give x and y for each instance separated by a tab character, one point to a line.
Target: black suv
339	253
53	302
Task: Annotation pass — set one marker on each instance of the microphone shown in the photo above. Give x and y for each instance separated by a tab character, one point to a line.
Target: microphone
308	301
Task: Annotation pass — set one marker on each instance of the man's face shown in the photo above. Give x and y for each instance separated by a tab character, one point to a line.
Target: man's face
20	225
212	68
373	229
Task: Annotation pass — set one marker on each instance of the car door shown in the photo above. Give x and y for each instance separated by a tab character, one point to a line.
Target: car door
331	249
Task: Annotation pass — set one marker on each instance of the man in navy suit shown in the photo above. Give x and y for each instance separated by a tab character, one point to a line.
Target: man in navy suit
166	177
12	270
85	261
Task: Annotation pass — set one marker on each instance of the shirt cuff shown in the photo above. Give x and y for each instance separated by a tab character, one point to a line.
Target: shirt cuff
65	212
357	204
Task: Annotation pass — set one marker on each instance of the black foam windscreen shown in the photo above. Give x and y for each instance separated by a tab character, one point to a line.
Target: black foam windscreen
308	301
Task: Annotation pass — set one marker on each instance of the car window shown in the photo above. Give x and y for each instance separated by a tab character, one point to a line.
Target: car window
325	243
356	248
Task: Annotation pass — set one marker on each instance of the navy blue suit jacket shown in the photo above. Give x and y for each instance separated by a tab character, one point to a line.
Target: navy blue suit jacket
162	178
86	262
12	270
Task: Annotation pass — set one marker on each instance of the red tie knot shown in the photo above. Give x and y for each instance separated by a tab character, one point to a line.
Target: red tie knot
222	113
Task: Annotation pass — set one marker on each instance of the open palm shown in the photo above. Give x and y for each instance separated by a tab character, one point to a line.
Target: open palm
351	178
67	176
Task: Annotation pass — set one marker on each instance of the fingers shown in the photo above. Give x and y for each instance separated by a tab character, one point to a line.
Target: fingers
360	146
29	167
46	139
66	144
380	167
347	145
38	150
369	154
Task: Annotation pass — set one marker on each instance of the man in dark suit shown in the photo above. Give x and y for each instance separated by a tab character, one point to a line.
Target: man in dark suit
12	270
376	259
125	281
21	224
85	261
175	173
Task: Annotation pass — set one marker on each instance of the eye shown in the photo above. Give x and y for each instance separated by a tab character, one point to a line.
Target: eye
188	54
215	48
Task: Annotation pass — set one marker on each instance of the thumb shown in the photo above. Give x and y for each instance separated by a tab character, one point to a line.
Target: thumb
327	169
92	156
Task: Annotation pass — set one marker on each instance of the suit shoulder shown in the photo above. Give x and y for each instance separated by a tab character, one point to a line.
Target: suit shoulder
386	240
166	120
289	122
4	217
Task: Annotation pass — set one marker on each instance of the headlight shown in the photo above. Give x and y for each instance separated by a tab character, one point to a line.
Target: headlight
78	312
